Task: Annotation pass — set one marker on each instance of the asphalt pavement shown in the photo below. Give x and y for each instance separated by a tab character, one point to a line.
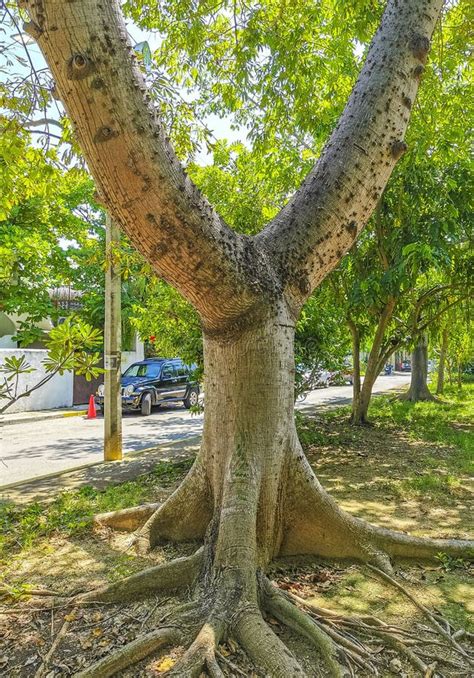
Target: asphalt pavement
36	448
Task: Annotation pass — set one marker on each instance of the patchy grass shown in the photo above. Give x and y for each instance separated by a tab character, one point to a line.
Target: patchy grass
412	470
71	512
449	423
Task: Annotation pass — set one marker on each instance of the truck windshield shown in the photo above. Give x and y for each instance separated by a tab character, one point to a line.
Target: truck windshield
142	370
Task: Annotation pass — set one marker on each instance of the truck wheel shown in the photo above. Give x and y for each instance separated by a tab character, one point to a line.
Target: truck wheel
145	405
192	398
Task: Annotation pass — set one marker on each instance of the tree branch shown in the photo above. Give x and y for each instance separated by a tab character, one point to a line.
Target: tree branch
137	173
319	224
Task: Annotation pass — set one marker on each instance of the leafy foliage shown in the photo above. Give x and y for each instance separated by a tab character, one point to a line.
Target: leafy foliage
40	221
70	347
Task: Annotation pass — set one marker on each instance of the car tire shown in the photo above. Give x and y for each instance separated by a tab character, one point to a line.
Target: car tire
192	398
145	405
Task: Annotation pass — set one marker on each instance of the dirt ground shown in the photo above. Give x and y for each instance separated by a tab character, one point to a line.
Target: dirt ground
373	472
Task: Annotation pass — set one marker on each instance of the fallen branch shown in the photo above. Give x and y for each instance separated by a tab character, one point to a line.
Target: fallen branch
44	664
131	653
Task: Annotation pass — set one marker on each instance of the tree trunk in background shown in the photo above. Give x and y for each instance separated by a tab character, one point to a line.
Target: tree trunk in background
419	373
355	364
360	406
442	362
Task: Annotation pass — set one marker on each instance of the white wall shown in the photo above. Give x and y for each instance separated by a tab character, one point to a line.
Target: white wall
130	357
56	393
7	341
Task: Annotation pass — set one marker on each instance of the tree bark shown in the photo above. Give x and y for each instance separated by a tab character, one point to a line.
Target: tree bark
419	373
442	361
360	406
356	382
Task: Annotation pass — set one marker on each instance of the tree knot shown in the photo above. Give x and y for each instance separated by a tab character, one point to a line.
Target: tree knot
419	45
104	133
398	148
418	71
351	228
79	66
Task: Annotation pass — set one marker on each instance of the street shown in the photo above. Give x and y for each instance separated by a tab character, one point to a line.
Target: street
36	448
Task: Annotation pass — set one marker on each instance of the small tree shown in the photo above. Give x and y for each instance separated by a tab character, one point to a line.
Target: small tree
70	348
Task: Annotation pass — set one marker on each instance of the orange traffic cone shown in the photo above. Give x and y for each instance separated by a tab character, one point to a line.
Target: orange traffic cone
91	413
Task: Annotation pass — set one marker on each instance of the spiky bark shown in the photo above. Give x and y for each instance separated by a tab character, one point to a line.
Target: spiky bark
251	494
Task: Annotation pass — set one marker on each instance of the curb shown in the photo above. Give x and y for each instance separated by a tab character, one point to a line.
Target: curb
129	456
42	417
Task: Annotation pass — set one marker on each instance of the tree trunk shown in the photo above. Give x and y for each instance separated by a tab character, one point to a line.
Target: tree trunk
251	494
356	383
459	375
360	406
442	361
419	373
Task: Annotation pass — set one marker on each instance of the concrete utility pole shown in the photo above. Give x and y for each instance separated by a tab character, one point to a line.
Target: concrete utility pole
113	340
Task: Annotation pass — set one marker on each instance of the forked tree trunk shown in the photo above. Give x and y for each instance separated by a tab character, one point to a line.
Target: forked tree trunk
419	373
251	493
442	362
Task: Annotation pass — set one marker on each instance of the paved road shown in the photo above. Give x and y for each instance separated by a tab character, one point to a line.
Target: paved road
33	449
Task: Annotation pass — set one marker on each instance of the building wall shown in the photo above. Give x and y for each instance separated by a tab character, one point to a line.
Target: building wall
56	393
130	357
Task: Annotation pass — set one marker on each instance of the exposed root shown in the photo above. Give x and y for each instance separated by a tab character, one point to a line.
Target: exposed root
441	630
233	667
176	574
264	648
425	397
398	544
132	653
316	525
184	516
400	639
350	647
344	643
281	608
45	663
128	519
8	592
383	631
213	668
230	591
201	653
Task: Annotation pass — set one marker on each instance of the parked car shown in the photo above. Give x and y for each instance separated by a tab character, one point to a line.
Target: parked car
406	366
153	382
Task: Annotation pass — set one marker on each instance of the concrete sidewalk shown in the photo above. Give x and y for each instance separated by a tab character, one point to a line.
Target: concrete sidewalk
98	475
40	415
